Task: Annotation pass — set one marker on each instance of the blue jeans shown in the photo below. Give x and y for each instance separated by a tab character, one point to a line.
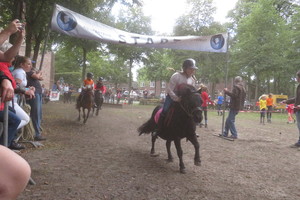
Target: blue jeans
298	124
229	124
13	123
36	113
167	104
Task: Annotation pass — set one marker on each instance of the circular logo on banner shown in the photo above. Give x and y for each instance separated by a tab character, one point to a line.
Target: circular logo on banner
217	41
66	21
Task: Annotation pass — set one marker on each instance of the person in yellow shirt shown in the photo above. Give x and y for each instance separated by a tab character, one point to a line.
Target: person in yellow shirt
270	107
263	108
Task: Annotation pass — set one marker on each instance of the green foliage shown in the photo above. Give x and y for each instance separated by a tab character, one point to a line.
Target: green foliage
261	46
158	66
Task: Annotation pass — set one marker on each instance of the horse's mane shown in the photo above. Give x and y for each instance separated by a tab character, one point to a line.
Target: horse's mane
185	89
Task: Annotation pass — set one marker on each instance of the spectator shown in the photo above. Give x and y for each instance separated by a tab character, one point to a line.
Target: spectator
14	172
290	111
66	90
22	65
8	83
33	80
71	90
131	96
56	86
263	108
7	92
269	108
237	99
112	97
119	95
296	101
205	99
220	103
162	96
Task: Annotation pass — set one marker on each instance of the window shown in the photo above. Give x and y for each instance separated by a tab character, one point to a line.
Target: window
163	84
142	84
152	84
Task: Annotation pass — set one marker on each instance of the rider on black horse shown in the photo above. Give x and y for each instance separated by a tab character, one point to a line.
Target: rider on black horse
99	87
186	76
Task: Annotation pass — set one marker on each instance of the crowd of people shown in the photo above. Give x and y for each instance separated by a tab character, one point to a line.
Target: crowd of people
14	170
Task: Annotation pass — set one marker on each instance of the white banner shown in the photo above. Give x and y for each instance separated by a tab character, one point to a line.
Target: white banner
54	96
76	25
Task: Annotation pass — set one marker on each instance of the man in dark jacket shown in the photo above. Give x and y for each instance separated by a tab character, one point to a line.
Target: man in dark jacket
296	101
237	98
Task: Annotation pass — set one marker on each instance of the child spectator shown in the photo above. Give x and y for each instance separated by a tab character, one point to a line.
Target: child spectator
270	107
290	111
263	108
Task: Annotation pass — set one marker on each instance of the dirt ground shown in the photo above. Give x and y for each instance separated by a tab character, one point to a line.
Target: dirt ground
106	159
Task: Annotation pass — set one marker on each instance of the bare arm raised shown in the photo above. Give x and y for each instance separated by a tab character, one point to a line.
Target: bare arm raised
14	27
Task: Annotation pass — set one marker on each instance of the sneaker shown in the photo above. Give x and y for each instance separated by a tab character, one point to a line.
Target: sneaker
223	135
297	145
16	146
39	138
233	137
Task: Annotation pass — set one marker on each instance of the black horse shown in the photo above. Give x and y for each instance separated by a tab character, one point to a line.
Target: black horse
98	100
180	122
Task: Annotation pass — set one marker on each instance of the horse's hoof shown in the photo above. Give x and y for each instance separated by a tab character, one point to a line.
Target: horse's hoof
169	160
182	171
154	154
197	163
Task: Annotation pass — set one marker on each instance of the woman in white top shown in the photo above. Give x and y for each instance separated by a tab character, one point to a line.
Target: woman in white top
183	77
22	65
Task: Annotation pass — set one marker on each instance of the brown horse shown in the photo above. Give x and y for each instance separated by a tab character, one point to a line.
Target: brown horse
85	101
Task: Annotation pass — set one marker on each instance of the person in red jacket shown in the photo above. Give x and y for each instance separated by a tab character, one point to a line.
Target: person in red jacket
8	84
205	100
102	89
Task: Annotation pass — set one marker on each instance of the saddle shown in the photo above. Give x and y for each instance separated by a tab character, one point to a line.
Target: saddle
164	120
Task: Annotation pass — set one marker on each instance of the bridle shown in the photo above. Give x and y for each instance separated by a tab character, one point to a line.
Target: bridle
188	111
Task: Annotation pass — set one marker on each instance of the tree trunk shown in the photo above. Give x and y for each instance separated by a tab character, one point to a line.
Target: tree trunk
18	13
130	75
257	83
36	49
83	64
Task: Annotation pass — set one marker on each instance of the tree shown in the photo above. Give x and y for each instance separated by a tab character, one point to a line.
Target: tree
132	20
261	45
199	21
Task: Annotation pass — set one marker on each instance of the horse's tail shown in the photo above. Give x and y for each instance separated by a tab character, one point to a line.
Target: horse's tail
150	125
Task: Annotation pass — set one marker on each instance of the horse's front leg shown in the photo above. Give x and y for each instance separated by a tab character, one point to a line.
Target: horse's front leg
87	115
180	153
168	146
84	116
78	114
196	144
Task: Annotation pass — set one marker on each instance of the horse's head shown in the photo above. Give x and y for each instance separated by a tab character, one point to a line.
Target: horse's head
191	101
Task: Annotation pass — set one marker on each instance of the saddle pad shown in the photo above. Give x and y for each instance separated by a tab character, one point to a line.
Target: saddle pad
157	115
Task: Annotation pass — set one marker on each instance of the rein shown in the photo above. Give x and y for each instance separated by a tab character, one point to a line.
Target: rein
189	113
